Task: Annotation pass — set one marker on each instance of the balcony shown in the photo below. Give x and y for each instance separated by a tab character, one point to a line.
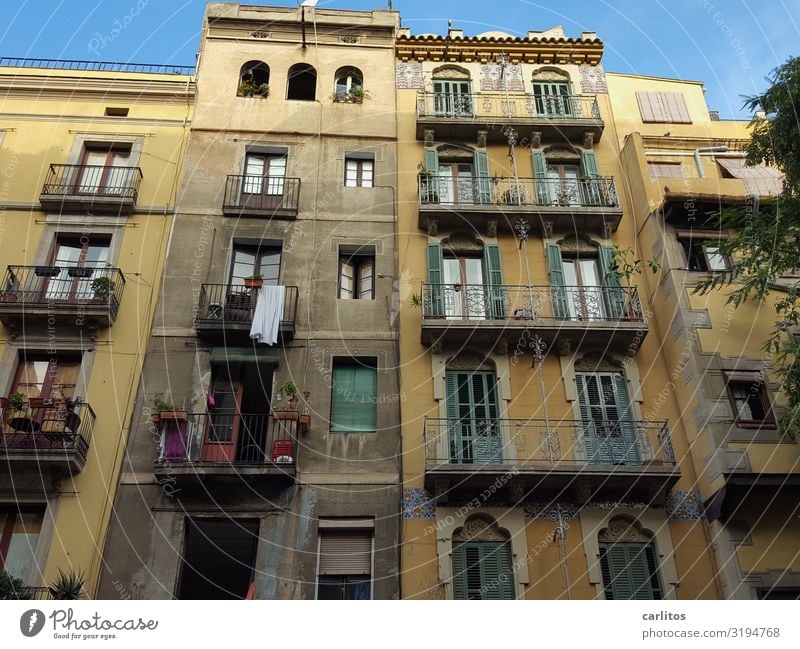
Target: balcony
456	314
564	459
492	204
46	434
92	188
225	311
86	297
461	116
259	196
228	447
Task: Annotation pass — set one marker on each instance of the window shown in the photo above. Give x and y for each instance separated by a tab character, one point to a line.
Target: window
356	277
665	169
473	428
255	260
584	289
608	429
482	570
253	80
630	571
452	98
19	534
105	169
663	107
748	396
302	83
553	99
264	180
349	83
218	558
80	260
43	376
354	402
345	564
702	254
358	172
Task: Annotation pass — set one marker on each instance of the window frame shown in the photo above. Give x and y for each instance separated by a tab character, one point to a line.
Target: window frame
358	261
745	378
359	162
705	240
353	364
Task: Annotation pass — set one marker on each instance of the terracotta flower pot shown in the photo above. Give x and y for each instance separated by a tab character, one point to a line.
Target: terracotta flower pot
286	415
253	283
305	422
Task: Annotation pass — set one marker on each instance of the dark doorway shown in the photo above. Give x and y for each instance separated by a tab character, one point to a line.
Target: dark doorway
218	558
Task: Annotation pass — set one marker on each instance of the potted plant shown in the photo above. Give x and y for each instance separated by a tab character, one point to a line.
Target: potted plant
102	287
12	588
46	271
254	281
80	271
165	411
17	401
357	94
624	265
428	186
68	586
289	389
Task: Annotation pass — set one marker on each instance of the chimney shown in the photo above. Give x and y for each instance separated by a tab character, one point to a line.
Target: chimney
713	115
453	32
588	36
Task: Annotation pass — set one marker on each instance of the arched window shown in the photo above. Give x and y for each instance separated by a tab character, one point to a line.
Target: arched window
482	560
302	83
552	93
253	80
349	84
629	561
451	91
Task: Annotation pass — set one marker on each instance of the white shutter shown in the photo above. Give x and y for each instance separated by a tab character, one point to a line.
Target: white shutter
666	107
345	552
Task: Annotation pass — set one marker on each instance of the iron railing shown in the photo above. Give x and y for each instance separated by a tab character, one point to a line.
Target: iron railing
30	592
507	191
465	106
235	304
94	66
541	442
47	425
63	286
92	181
230	438
531	303
264	194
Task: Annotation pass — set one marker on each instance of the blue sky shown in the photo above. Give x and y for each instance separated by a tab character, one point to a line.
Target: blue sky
730	44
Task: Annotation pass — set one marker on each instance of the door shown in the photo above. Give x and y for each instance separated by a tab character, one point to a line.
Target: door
608	429
584	290
473	426
563	185
104	171
457	183
222	424
482	570
81	262
553	99
452	98
464	292
264	181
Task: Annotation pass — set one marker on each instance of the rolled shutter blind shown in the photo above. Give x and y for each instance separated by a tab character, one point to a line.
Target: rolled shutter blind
345	552
664	107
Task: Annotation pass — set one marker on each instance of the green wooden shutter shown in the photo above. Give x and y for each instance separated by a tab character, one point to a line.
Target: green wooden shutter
430	189
459	571
589	164
431	160
498	575
492	269
540	174
592	413
472	411
591	186
482	570
559	295
482	173
354	399
615	295
435	307
630	571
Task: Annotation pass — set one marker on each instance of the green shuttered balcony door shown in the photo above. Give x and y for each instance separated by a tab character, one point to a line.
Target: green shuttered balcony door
482	570
630	571
474	435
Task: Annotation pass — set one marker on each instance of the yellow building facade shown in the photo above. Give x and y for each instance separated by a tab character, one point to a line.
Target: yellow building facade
90	158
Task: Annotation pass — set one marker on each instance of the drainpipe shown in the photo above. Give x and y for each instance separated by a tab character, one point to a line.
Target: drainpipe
708	149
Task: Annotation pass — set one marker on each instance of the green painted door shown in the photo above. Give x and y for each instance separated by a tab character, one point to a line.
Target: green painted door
630	571
482	570
473	427
607	427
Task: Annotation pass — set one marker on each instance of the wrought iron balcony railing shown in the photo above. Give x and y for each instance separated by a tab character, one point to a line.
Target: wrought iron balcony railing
234	304
63	287
540	442
46	426
30	592
466	106
501	191
262	195
531	303
230	439
92	181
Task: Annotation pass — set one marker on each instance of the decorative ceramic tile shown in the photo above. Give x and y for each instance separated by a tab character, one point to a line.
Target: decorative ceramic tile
418	504
549	511
617	504
593	79
685	506
491	79
409	76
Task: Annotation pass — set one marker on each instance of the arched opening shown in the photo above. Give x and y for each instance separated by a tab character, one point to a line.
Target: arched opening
253	80
482	560
349	84
629	562
552	93
302	85
452	91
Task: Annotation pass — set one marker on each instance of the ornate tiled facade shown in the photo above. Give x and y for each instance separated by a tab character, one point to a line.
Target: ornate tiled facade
593	80
684	506
409	76
491	78
418	504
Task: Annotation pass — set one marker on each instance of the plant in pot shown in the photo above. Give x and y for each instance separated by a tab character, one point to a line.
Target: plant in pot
357	94
12	588
254	281
289	389
16	402
428	185
305	418
624	265
80	271
102	287
68	586
46	271
249	88
166	411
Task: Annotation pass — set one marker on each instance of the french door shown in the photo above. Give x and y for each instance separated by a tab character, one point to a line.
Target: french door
608	429
553	99
222	427
584	290
80	261
452	98
104	171
264	181
457	183
472	413
563	185
465	295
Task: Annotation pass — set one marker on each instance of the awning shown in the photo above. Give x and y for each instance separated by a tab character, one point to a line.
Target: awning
761	179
